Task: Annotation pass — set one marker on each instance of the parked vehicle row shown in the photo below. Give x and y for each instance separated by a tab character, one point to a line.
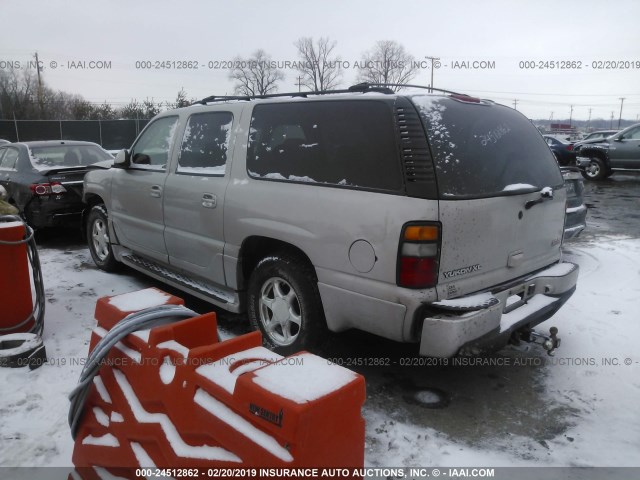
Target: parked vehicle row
562	149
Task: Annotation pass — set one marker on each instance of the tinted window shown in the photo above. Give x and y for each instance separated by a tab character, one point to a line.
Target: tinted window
205	143
483	150
9	159
152	148
349	143
60	156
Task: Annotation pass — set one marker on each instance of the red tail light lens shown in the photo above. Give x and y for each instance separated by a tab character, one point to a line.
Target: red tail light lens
418	255
47	188
570	147
418	272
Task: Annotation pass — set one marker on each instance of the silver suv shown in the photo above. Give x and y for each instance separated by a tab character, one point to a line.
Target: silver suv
430	218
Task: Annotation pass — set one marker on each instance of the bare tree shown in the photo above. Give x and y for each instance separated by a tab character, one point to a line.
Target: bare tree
387	62
80	109
18	94
319	69
132	110
256	75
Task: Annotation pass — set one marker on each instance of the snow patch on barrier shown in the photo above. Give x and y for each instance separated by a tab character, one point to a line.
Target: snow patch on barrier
235	421
106	440
135	301
179	446
102	390
144	460
310	378
219	371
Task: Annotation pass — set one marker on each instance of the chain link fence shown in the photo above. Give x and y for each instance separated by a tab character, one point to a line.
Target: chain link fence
110	134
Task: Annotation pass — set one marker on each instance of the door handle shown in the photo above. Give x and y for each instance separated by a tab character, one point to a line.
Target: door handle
209	200
156	191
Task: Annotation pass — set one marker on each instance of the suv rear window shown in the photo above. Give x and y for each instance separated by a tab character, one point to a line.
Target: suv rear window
482	150
345	143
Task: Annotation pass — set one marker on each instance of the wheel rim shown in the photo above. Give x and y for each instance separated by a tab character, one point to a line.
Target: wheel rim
100	239
280	311
593	169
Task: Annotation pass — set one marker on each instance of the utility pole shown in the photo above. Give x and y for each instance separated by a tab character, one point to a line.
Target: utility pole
433	59
589	121
515	103
299	83
39	85
570	116
620	117
611	121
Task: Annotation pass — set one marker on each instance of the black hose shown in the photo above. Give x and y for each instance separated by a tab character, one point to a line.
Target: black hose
147	318
37	315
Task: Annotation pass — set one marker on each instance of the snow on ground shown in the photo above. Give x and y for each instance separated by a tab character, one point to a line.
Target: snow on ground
597	404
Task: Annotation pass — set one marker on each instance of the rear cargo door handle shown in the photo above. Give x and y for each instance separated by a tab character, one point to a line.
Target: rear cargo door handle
209	200
156	191
545	194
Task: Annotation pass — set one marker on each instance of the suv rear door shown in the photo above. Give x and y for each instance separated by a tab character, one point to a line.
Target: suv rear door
194	194
502	201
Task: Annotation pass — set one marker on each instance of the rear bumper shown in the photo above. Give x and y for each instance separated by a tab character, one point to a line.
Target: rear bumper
575	222
54	215
487	320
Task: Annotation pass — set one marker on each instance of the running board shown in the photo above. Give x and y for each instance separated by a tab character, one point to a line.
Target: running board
203	290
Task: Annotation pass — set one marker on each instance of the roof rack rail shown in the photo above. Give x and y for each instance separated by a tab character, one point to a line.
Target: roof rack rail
367	85
355	88
363	87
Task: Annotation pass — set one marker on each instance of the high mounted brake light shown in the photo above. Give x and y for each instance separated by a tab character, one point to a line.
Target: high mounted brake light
418	255
466	98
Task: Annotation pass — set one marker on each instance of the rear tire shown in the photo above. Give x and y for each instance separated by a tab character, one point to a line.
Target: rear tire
596	170
98	239
284	304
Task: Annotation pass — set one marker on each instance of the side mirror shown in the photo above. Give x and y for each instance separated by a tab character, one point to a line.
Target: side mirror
142	159
123	159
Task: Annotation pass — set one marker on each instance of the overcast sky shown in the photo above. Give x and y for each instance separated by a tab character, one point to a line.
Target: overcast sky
503	32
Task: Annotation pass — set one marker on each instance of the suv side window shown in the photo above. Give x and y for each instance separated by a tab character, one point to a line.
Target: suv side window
632	134
151	151
205	144
343	143
9	159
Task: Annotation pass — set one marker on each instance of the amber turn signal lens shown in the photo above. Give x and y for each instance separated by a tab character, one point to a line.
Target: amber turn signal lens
421	233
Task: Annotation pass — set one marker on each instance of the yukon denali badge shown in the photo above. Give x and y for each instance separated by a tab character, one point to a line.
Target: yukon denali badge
462	271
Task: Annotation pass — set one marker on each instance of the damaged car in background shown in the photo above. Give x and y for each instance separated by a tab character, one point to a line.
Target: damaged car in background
44	179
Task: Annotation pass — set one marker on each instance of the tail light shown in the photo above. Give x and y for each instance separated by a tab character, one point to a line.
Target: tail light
570	147
47	188
418	255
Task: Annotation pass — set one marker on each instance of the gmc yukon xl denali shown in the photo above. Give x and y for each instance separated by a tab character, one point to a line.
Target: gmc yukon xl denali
420	217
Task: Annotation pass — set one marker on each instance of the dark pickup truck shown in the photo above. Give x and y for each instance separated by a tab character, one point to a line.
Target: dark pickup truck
620	152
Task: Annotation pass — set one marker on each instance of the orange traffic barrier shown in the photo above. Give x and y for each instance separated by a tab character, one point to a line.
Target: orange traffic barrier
15	283
175	397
